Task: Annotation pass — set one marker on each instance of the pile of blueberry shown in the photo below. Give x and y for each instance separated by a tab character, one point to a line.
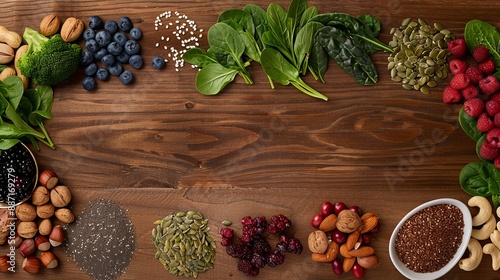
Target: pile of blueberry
17	174
108	47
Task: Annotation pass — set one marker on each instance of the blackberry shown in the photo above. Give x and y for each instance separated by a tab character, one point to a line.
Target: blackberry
253	227
239	251
244	266
261	245
275	258
294	246
258	260
254	272
279	224
18	172
282	247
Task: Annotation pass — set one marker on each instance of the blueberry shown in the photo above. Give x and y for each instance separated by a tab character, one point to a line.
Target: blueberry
100	54
136	61
135	33
125	24
88	83
91	70
108	60
120	38
103	38
86	57
126	77
132	47
114	48
116	69
158	62
88	34
111	26
92	45
95	22
102	74
123	58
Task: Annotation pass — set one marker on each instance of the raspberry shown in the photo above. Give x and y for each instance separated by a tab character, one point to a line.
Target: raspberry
489	85
469	92
225	241
487	151
493	137
457	47
495	96
496	120
227	232
492	107
460	81
480	54
474	107
487	67
458	66
497	162
484	123
451	95
279	224
475	75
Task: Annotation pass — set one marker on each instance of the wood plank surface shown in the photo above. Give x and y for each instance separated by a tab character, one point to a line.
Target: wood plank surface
157	146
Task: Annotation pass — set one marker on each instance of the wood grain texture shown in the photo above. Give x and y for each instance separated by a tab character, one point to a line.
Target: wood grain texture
158	146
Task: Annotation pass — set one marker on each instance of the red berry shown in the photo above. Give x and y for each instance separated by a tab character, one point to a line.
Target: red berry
460	81
493	137
451	95
492	107
358	271
489	85
326	208
316	220
487	67
496	120
338	207
475	75
339	237
496	97
480	54
458	66
496	161
474	107
484	123
356	210
469	92
487	151
457	47
337	267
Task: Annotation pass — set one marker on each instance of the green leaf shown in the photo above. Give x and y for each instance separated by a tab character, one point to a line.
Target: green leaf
496	200
480	178
6	144
478	32
469	125
225	40
318	61
372	23
308	14
241	17
277	67
212	78
278	35
251	48
15	89
25	108
260	22
303	43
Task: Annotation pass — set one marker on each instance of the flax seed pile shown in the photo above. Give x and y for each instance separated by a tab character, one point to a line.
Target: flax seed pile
428	240
102	240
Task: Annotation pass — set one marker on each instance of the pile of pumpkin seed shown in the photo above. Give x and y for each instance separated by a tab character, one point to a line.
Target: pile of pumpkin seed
419	60
183	243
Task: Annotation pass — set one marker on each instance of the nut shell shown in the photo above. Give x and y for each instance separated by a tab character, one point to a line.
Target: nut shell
45	211
318	242
348	221
26	212
40	195
6	53
65	215
71	29
27	229
50	25
60	196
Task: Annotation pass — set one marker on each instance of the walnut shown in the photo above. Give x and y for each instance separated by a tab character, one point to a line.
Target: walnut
26	212
45	211
27	229
348	221
317	241
40	196
60	196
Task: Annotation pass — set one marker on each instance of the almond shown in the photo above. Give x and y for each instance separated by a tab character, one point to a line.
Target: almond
348	264
333	250
344	252
353	238
369	223
363	251
329	223
367	215
320	257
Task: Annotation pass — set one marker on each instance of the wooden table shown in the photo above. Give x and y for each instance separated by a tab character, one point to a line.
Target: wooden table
158	146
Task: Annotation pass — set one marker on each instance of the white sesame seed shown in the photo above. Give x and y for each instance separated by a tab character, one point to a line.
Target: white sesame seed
157	45
162	38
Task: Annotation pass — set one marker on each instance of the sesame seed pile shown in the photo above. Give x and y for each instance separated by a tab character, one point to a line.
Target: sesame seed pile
177	35
102	240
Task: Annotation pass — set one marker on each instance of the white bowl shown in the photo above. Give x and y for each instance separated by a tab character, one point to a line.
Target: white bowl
410	274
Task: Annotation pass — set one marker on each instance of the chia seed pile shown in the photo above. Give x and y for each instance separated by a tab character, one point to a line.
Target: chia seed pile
102	240
18	169
428	240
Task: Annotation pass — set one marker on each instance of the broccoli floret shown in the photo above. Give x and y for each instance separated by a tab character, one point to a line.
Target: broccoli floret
48	61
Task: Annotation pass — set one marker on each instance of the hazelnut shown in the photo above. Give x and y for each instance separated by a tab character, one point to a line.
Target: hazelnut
45	211
32	264
48	179
27	229
50	25
348	221
60	196
27	248
48	259
65	215
42	243
71	29
26	212
317	241
56	236
40	195
5	264
45	227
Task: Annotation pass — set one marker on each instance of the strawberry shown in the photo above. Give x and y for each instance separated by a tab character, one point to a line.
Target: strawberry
489	85
492	107
451	95
459	81
484	123
496	120
457	47
458	66
469	92
475	75
493	137
487	151
474	107
480	54
487	67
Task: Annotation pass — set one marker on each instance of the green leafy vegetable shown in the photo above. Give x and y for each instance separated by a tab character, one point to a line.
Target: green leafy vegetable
213	78
469	125
478	32
480	178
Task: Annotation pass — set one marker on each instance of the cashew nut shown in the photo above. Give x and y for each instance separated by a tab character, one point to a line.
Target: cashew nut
475	256
495	238
492	250
498	211
484	210
486	230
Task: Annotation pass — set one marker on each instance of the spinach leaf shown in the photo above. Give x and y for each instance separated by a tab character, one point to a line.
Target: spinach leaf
198	57
25	108
278	35
212	78
282	71
6	144
308	14
372	23
318	61
354	60
480	178
496	200
469	125
295	11
241	17
14	89
478	32
303	44
260	22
